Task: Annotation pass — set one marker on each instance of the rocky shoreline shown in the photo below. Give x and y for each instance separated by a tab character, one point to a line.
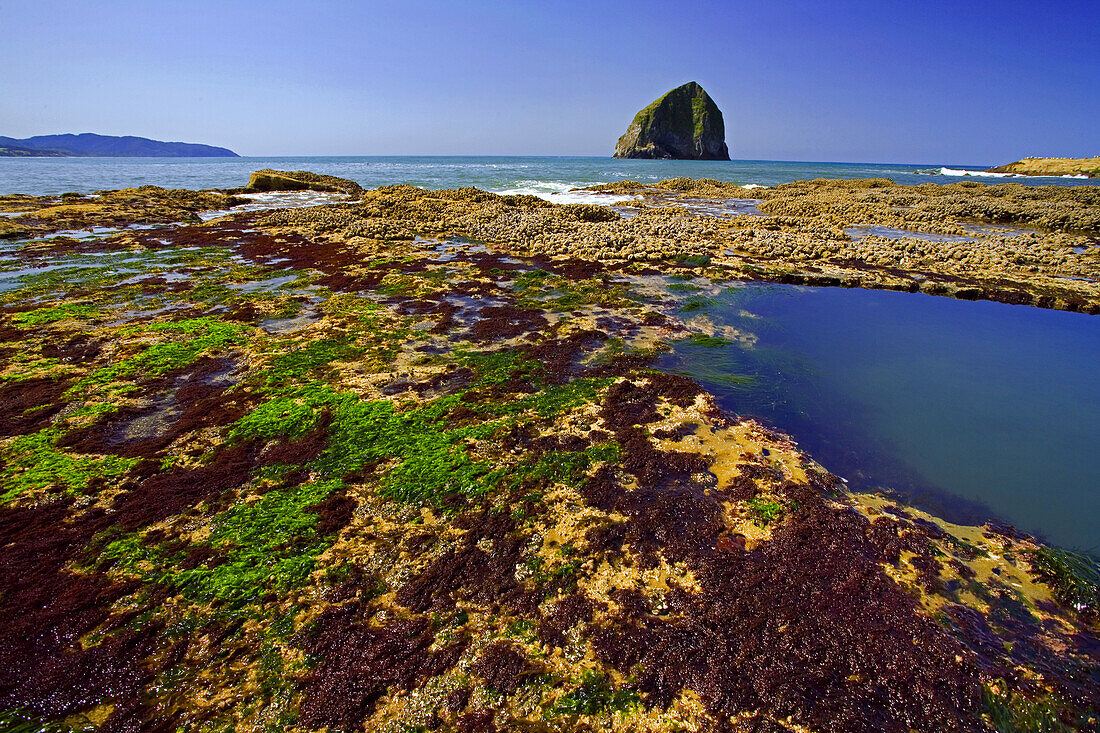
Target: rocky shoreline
403	463
1085	167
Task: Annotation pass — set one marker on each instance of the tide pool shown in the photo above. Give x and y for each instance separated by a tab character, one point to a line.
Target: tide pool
971	409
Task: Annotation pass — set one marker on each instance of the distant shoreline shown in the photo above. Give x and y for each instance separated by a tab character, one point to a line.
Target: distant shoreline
90	145
1050	167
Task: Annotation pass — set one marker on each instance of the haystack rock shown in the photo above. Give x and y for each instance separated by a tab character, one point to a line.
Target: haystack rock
684	124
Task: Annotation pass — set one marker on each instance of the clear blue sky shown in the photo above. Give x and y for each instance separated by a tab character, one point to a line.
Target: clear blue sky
886	81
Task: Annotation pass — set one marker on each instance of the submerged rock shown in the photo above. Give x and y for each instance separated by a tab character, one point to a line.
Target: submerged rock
684	124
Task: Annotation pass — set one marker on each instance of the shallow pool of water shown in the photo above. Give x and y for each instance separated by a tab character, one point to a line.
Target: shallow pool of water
972	409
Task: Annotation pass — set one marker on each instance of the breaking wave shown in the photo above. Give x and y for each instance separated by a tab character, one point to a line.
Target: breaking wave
989	174
559	192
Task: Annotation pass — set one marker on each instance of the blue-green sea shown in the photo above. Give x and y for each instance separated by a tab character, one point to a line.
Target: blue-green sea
971	409
536	175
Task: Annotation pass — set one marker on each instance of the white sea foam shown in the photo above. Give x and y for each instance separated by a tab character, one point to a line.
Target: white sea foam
990	174
562	193
963	172
278	200
753	185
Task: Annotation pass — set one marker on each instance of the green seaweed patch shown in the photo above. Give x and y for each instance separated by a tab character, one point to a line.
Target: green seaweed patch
556	399
694	260
53	314
22	721
432	461
566	467
555	293
352	306
497	367
764	511
283	417
708	342
695	303
1015	713
261	549
1074	577
595	694
202	335
29	364
33	463
303	363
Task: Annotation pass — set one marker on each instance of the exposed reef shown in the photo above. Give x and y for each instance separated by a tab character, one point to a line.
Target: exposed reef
684	124
403	463
1089	167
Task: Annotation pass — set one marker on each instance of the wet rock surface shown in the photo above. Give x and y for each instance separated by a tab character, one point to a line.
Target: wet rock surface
453	494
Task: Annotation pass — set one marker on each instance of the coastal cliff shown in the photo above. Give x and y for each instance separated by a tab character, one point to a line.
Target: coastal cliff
90	145
683	124
1089	167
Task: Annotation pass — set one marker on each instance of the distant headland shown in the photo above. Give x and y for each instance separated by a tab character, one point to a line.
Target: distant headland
1086	167
105	146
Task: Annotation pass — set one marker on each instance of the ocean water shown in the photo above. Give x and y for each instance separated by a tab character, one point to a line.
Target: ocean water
549	177
970	409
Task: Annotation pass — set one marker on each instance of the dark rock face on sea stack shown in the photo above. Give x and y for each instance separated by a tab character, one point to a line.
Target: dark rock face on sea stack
684	124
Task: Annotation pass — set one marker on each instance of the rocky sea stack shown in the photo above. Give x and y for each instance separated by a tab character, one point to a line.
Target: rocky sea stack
684	124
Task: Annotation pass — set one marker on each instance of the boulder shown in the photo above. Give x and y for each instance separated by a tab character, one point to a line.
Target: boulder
684	124
272	180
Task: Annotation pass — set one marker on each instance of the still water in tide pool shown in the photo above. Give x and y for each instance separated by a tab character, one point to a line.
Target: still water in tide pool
974	410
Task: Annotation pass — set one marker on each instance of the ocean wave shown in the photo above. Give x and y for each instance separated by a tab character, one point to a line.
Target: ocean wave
963	172
989	174
560	192
264	200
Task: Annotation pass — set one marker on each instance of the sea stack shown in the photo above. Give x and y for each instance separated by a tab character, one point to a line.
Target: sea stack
683	124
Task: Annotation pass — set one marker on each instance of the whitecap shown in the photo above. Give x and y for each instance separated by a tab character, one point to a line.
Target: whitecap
990	174
559	192
964	172
278	200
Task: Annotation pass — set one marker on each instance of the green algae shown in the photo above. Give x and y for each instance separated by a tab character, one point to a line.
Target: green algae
44	316
432	461
19	721
709	342
595	694
281	417
695	303
33	463
263	547
765	511
204	334
565	467
1074	577
1014	713
298	363
542	290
